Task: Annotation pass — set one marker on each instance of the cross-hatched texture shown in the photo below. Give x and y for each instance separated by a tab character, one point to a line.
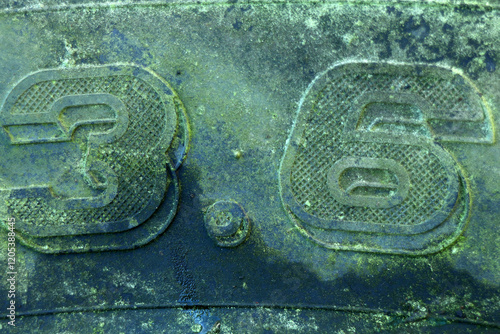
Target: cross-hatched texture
321	146
132	157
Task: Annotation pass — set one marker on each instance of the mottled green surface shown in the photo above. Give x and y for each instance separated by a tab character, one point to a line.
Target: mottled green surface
240	70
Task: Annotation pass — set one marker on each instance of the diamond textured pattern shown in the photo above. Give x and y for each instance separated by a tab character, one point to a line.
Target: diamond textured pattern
321	146
132	157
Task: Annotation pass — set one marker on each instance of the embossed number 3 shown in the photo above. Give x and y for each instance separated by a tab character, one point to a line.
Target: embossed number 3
86	149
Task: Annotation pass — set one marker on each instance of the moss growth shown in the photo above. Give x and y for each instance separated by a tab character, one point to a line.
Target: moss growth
241	70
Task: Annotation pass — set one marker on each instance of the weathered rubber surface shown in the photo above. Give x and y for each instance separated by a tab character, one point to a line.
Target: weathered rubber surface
250	167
